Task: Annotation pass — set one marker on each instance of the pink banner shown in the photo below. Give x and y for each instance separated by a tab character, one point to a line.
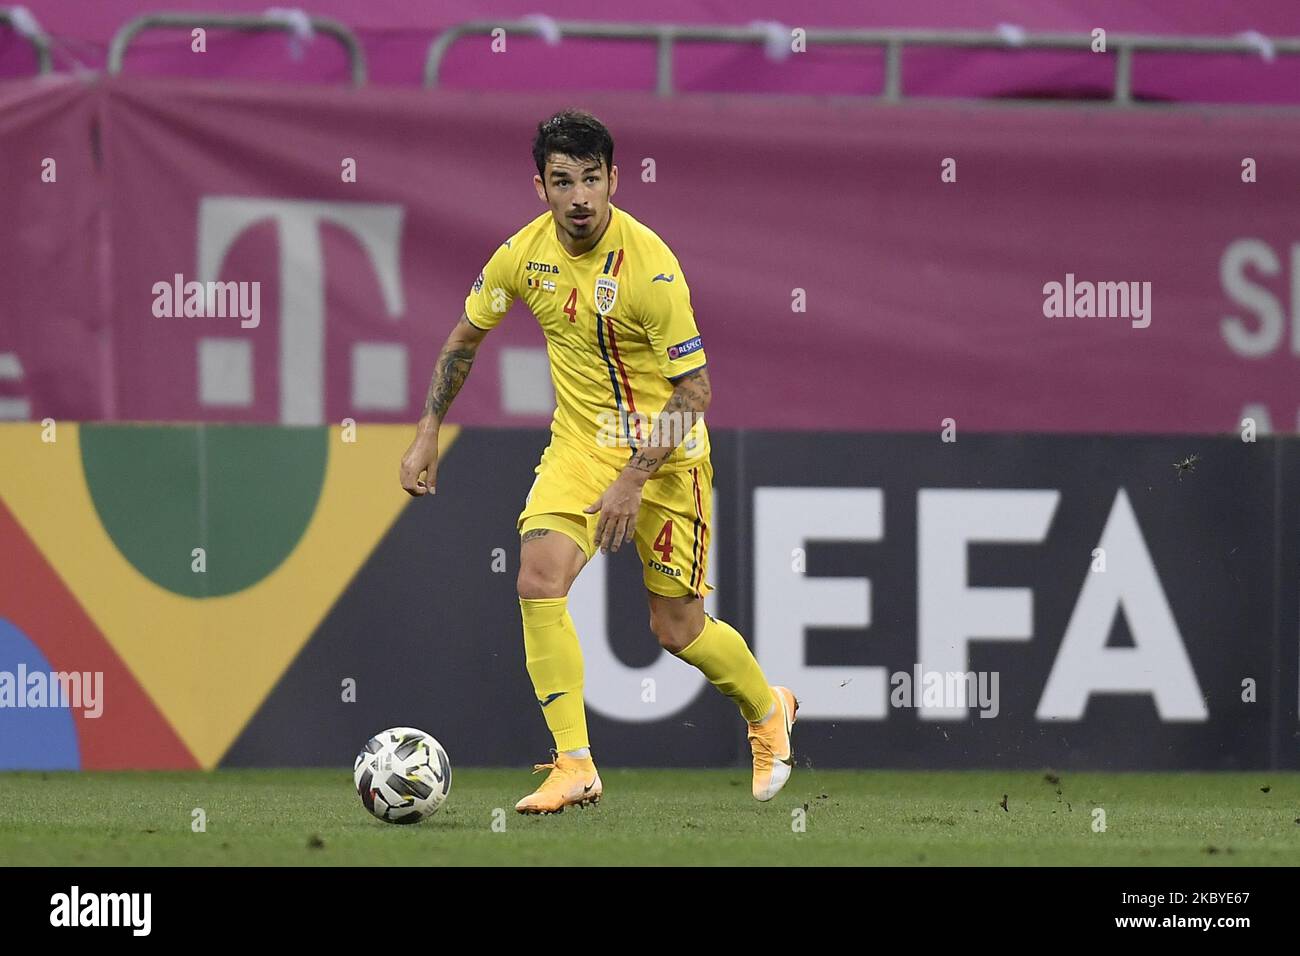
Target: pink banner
852	266
53	323
395	36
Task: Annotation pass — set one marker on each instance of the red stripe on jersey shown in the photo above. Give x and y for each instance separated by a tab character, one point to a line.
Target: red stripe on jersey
618	262
698	552
622	373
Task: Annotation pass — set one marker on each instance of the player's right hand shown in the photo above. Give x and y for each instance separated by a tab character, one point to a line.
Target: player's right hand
419	470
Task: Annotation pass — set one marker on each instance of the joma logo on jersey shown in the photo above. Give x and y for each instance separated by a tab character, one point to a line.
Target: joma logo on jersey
683	349
606	293
542	267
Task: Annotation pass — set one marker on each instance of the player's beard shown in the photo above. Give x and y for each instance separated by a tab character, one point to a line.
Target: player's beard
578	233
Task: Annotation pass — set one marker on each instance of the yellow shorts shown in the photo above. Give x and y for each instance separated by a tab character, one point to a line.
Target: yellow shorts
672	529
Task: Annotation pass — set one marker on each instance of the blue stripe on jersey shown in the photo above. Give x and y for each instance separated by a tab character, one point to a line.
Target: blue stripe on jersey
613	376
677	378
609	261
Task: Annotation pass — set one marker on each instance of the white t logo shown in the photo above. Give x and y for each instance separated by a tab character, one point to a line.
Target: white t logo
378	228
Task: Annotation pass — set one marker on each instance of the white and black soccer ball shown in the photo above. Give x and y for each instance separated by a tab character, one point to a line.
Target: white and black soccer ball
402	775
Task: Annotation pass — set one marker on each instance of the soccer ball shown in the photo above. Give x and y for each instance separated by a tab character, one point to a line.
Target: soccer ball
402	775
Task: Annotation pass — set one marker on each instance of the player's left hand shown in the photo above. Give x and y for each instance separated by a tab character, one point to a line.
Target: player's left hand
618	508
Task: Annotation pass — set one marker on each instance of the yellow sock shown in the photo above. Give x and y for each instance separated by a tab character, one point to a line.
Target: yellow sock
555	665
722	655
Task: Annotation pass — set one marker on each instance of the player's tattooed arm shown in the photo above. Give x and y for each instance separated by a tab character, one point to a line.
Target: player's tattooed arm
452	368
619	505
690	399
419	469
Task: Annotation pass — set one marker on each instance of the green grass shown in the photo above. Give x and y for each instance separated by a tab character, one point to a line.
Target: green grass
270	817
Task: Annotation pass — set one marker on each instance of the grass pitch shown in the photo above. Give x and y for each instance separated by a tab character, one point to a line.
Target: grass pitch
653	817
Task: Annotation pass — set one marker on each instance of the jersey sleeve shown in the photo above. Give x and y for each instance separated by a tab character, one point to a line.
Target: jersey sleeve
493	291
669	321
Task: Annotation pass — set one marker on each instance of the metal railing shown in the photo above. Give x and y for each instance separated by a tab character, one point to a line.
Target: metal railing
39	41
1122	47
248	23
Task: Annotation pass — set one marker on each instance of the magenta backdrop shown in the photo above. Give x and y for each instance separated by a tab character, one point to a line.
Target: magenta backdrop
924	298
396	33
53	321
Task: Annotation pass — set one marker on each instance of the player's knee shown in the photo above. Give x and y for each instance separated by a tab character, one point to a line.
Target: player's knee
537	582
670	630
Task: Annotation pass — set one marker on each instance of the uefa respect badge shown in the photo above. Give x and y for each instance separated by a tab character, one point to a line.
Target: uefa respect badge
683	349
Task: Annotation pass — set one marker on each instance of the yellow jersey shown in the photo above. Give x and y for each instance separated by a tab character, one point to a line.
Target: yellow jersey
619	331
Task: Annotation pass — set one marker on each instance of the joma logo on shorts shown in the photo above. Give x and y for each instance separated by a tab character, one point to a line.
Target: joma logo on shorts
664	569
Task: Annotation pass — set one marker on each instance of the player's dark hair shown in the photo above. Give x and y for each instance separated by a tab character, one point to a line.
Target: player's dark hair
573	133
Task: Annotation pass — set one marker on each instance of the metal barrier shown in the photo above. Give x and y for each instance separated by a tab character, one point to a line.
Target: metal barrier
39	41
893	42
188	21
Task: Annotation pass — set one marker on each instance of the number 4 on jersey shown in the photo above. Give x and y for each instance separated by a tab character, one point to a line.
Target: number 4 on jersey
571	307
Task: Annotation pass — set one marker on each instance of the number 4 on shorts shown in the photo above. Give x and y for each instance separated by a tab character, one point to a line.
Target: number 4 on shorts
664	543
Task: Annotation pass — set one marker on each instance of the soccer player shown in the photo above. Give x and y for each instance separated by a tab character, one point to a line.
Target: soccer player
629	453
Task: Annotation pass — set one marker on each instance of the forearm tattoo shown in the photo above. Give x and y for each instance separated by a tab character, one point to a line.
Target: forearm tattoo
690	397
449	375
